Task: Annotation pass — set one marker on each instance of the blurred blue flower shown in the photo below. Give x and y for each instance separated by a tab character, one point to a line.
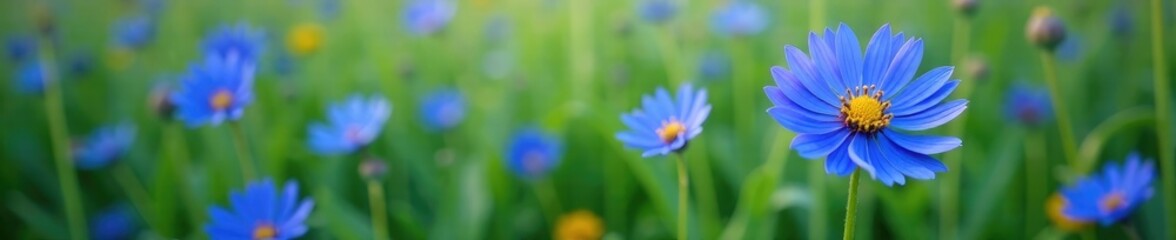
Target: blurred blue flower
350	125
425	17
80	64
261	212
30	78
714	65
329	9
663	125
532	153
657	11
1110	197
214	91
238	41
844	106
1120	21
443	109
739	18
104	146
153	7
133	32
1070	49
114	223
1028	105
20	48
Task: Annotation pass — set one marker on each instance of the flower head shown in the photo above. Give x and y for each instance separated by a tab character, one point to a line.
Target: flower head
443	109
657	11
30	78
1028	105
104	146
351	125
261	212
714	65
215	91
1053	208
425	17
240	42
20	48
1110	197
739	18
856	110
304	38
532	153
579	225
133	32
663	125
114	223
1045	29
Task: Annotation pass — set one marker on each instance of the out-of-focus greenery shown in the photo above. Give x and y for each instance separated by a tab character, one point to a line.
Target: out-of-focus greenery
570	67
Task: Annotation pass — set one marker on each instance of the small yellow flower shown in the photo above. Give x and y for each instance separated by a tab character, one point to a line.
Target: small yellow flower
304	38
1053	208
579	225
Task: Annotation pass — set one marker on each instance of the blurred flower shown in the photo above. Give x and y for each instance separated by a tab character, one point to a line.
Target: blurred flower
351	125
153	7
261	212
160	102
1045	29
104	146
714	65
967	8
1070	49
532	153
1120	21
663	125
1110	197
579	225
304	38
739	18
1053	208
329	9
443	109
372	168
114	223
44	19
284	64
238	41
21	48
214	91
426	17
133	32
842	107
976	68
1028	105
80	64
657	11
30	78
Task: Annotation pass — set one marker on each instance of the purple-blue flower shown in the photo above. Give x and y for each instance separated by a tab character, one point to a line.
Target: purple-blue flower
443	109
425	17
114	223
238	41
657	11
133	32
664	124
20	48
351	125
30	78
261	212
104	146
1028	105
1111	196
214	91
532	153
858	110
714	65
739	18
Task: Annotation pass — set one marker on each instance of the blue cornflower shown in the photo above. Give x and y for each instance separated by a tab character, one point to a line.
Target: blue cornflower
425	17
20	48
215	91
714	65
1028	105
657	11
1110	197
239	41
739	18
133	32
443	109
849	108
114	223
532	153
30	78
662	125
261	212
351	125
104	146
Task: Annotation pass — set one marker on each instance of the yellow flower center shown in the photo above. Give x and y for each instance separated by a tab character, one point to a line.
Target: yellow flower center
265	231
579	225
670	130
221	99
305	38
863	112
1111	202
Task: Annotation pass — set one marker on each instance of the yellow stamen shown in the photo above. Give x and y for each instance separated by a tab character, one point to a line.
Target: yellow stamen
670	130
863	112
1111	202
265	231
221	99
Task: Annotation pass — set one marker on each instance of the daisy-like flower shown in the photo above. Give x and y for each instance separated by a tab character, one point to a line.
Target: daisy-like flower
739	18
114	223
240	42
657	11
104	146
663	125
856	110
215	91
133	32
1110	197
351	125
532	153
261	212
1028	105
443	109
425	17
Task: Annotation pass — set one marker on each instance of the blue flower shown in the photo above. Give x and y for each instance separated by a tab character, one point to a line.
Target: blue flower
532	153
30	78
856	110
20	48
739	18
443	109
1028	105
351	125
425	17
104	146
239	42
133	32
657	11
1110	197
663	125
114	223
215	91
261	212
714	65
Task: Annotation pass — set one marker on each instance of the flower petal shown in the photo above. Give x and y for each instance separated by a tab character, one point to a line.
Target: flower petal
809	77
858	153
825	62
922	87
914	165
794	119
923	144
813	146
929	101
903	68
838	161
932	117
878	56
849	55
887	172
795	91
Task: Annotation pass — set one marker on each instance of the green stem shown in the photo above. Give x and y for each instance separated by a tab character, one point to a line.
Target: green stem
949	188
1036	176
179	153
1163	116
59	134
1069	148
708	213
683	198
851	204
243	158
379	212
135	192
548	199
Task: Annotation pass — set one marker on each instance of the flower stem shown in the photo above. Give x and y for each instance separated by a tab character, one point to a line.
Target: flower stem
59	134
135	192
1163	116
851	204
178	149
379	212
1069	148
949	188
548	199
243	158
1036	176
683	197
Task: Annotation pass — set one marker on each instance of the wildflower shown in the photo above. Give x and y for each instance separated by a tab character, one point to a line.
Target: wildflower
657	11
372	168
215	91
352	124
579	225
133	32
21	48
159	101
1027	105
261	212
1110	197
967	8
1045	29
114	223
663	125
976	68
739	18
235	42
104	146
714	65
426	17
304	39
30	78
1053	208
443	109
532	153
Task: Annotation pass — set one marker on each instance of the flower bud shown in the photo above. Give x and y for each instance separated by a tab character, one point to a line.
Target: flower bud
160	101
1045	29
372	168
966	8
976	68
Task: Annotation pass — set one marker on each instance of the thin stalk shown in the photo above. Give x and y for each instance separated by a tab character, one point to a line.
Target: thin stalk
1163	116
1036	176
59	134
1069	147
379	212
949	188
683	198
708	211
243	158
548	199
179	153
851	204
135	192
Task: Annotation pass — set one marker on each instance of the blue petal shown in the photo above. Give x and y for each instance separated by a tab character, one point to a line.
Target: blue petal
932	117
825	62
838	161
685	100
635	140
887	172
922	87
904	66
849	53
858	152
914	165
878	56
923	144
794	119
700	110
795	91
813	146
775	95
928	102
808	76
